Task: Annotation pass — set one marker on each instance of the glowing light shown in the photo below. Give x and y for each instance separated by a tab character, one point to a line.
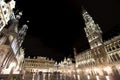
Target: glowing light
119	67
107	69
78	77
12	65
20	13
87	70
74	76
107	77
97	77
78	71
28	21
88	76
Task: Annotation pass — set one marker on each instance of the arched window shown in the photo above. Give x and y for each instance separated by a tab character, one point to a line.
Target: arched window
114	57
117	56
113	47
117	46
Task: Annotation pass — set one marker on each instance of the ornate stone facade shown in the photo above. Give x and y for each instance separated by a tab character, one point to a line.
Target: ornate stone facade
66	65
103	56
6	12
38	64
11	39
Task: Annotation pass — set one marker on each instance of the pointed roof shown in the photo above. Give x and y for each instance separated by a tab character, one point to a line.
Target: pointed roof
83	9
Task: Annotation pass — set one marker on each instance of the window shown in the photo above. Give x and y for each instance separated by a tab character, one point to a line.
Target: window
111	58
107	48
86	18
113	48
5	12
110	49
117	46
2	6
114	57
96	43
117	56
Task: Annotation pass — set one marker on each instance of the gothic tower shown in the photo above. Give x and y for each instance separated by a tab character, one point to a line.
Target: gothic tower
92	30
94	35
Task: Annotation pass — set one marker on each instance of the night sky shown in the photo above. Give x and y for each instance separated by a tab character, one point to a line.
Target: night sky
56	26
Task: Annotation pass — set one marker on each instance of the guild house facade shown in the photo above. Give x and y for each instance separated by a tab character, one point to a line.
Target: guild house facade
38	64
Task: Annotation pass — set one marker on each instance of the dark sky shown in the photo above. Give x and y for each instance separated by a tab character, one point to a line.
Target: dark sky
56	26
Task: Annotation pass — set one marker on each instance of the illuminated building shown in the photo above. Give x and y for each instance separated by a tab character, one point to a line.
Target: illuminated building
11	39
13	53
6	12
39	64
66	64
67	69
102	57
